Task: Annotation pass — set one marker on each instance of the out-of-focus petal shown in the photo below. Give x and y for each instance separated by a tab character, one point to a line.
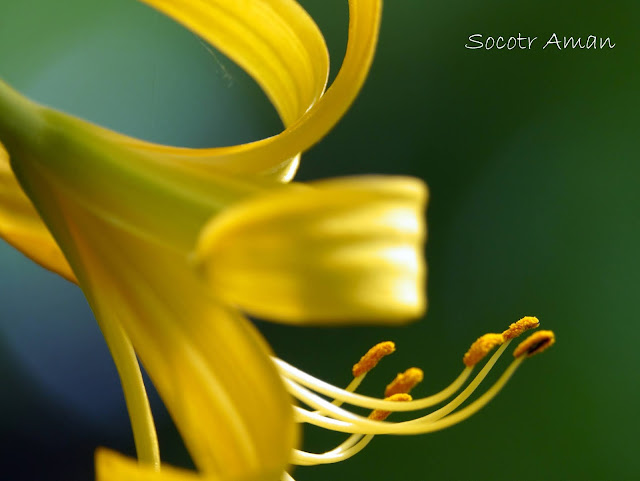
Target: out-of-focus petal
21	226
111	466
344	250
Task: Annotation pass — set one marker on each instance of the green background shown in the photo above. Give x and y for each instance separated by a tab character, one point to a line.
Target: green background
531	157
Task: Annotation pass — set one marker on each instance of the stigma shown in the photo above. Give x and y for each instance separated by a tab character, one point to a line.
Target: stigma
321	402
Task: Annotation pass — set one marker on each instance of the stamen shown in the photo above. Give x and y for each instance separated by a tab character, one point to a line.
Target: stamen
476	405
359	442
481	347
404	382
380	415
372	357
541	341
366	363
465	394
353	385
330	415
354	443
535	344
291	373
521	326
345	421
304	458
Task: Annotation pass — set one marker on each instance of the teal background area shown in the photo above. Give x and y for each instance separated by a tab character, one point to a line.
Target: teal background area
532	162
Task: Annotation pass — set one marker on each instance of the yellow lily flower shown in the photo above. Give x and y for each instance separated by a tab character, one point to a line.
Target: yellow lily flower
172	245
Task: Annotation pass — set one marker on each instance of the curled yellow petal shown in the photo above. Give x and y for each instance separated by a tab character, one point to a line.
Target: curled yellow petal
279	45
273	156
21	226
275	41
342	250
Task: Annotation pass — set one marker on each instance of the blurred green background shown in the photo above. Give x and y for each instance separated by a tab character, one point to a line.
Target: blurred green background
532	162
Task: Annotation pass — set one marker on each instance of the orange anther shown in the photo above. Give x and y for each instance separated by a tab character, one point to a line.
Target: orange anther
535	344
481	348
372	357
404	382
521	326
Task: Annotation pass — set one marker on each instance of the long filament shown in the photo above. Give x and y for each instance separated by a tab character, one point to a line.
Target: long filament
290	372
345	421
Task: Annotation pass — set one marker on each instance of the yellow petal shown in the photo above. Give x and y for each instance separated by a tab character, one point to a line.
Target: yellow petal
21	226
340	250
272	156
123	225
138	192
279	45
274	41
209	365
276	156
111	466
